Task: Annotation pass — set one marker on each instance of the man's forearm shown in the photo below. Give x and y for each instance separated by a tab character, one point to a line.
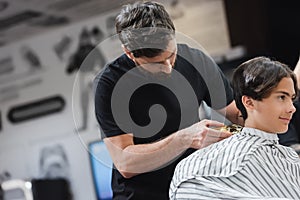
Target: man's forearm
136	159
232	114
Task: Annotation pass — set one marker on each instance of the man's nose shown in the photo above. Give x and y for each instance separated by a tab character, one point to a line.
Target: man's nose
167	66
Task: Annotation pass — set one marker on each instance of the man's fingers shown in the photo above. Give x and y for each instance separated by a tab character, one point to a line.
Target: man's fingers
212	123
218	134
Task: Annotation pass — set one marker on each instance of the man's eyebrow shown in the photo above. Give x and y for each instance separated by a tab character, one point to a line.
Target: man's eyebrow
172	54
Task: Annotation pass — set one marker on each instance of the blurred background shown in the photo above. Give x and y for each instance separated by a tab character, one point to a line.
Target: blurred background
47	124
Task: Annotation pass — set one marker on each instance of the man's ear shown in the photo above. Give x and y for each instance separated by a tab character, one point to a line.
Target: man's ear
248	102
128	53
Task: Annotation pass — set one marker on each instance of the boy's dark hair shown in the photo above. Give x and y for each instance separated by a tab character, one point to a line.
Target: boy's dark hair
145	28
257	78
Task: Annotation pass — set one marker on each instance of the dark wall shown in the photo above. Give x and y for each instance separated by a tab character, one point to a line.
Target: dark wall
266	27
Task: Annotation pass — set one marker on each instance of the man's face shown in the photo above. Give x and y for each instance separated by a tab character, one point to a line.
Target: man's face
160	65
273	114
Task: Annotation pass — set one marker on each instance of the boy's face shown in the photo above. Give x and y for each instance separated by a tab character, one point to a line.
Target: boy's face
273	114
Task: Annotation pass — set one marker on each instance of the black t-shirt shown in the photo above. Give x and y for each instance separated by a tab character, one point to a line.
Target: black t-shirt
129	101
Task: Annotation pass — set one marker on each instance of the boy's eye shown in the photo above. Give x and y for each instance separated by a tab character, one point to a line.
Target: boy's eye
282	97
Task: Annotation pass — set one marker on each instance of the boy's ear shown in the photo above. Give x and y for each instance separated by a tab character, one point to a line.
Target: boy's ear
128	53
248	102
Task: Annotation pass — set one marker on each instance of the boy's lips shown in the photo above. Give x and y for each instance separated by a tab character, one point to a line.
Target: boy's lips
286	119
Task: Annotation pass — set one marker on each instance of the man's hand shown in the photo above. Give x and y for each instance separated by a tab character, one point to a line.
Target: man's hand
203	134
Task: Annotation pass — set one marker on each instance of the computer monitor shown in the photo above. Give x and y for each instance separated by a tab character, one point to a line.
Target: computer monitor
101	166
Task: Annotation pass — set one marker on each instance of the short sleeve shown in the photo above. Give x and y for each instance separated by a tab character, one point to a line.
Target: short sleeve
103	87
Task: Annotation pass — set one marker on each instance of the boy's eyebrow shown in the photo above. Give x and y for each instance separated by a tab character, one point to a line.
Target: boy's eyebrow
287	94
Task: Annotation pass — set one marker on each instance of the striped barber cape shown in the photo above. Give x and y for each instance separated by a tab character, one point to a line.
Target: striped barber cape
248	165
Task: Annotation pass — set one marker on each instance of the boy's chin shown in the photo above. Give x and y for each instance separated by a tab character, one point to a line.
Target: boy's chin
282	131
